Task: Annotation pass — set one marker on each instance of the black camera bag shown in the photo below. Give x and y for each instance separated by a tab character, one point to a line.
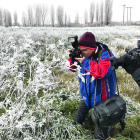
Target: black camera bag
110	111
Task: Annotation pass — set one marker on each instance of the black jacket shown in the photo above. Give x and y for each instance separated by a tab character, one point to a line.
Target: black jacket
136	76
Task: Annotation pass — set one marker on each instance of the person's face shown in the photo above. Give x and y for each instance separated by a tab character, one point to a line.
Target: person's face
87	52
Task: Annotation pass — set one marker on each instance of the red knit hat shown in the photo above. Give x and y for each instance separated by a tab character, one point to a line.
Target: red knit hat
87	40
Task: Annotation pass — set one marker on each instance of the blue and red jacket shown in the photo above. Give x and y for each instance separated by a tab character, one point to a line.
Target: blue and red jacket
90	70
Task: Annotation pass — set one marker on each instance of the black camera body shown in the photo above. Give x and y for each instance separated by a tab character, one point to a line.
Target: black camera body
75	52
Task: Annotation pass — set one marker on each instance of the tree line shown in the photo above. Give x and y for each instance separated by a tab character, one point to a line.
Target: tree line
98	14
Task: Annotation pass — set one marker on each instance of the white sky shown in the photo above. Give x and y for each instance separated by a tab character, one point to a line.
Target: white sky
74	6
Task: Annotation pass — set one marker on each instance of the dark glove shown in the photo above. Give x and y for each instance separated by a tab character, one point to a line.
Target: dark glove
114	62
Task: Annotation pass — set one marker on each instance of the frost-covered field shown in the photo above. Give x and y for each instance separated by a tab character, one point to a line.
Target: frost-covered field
30	95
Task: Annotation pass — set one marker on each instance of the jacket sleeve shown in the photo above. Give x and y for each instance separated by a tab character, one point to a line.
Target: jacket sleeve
99	70
136	76
71	65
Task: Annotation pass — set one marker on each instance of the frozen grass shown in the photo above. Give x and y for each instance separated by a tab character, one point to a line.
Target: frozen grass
39	96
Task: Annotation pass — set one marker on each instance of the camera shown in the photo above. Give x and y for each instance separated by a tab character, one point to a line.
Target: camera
132	56
75	52
135	55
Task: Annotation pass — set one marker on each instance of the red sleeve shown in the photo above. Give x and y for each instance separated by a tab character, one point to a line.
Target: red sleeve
99	70
71	67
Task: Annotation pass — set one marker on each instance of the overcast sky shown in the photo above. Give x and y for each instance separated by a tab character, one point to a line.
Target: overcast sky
74	6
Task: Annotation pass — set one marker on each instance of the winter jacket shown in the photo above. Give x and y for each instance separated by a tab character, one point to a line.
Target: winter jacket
90	70
136	76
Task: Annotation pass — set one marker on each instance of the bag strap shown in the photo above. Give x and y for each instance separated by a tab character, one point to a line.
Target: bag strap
110	131
116	83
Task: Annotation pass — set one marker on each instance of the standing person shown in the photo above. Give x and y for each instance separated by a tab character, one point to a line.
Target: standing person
132	67
92	70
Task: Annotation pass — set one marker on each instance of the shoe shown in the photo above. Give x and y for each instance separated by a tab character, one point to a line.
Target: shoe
100	133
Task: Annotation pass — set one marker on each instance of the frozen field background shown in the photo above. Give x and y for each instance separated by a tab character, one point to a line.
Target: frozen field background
32	92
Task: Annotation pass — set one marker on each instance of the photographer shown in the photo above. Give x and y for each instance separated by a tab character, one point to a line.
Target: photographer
130	62
95	74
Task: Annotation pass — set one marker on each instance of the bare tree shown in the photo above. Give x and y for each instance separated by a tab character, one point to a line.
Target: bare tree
86	16
15	19
4	17
97	14
60	15
65	19
37	10
44	13
24	19
77	19
30	16
91	12
108	11
69	21
1	17
7	18
101	13
52	15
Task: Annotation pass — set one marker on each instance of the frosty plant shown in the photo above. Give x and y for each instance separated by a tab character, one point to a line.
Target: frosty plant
26	97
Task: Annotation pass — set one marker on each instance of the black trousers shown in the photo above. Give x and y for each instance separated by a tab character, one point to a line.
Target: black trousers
82	112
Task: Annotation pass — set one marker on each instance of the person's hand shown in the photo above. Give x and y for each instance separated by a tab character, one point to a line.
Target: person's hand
69	52
114	62
80	59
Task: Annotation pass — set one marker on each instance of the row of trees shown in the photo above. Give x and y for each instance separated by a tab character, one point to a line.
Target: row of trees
99	14
5	18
